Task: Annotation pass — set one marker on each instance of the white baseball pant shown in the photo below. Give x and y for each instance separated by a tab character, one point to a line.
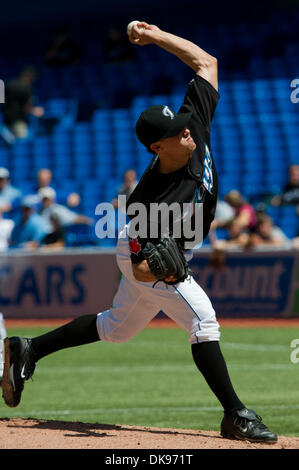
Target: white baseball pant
137	303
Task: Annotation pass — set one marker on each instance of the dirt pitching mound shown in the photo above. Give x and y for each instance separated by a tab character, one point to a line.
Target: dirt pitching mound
19	433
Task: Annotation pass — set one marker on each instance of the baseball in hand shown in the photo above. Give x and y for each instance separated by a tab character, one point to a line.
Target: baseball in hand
130	27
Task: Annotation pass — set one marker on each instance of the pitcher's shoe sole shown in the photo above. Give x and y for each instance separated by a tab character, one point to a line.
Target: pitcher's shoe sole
272	440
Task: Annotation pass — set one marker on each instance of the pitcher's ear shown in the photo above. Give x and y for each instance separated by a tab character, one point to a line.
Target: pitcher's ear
155	147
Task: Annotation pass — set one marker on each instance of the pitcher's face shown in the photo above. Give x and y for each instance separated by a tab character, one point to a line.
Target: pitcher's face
181	144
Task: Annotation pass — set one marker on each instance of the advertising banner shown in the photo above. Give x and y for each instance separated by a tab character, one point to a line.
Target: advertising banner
65	284
78	282
248	284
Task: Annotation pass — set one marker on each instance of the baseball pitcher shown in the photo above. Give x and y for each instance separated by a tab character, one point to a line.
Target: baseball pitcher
153	258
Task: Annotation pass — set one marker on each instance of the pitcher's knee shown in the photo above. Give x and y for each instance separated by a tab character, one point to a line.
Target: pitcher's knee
206	330
111	330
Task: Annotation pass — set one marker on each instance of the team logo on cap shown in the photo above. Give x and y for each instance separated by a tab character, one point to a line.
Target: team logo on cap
167	112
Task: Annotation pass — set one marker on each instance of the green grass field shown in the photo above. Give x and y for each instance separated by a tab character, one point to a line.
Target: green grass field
152	381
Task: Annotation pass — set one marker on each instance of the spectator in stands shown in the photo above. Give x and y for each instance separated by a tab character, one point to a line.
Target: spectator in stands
237	236
233	236
63	215
73	200
19	103
63	50
117	49
44	178
55	239
265	233
6	226
245	214
290	193
224	214
30	229
125	190
9	195
129	184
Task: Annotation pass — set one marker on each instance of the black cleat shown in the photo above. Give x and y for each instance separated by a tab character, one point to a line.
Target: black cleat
246	425
19	365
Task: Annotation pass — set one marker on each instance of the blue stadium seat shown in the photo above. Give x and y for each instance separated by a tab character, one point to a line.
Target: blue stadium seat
252	179
275	177
254	132
275	215
20	150
41	162
80	235
291	230
255	166
62	170
289	212
26	186
4	158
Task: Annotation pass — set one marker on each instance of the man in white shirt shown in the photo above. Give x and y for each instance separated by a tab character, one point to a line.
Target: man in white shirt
9	195
64	216
6	226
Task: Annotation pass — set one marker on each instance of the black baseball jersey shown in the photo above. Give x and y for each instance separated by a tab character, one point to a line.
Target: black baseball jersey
194	183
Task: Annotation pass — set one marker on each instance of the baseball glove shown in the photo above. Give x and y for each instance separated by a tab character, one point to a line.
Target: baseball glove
165	259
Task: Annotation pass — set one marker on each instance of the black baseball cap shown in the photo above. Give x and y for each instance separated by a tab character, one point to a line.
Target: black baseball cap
159	122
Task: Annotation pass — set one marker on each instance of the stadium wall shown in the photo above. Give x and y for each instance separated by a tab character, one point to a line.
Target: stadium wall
77	282
65	284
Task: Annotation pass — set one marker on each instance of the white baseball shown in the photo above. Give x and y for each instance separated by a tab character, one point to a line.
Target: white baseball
130	26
